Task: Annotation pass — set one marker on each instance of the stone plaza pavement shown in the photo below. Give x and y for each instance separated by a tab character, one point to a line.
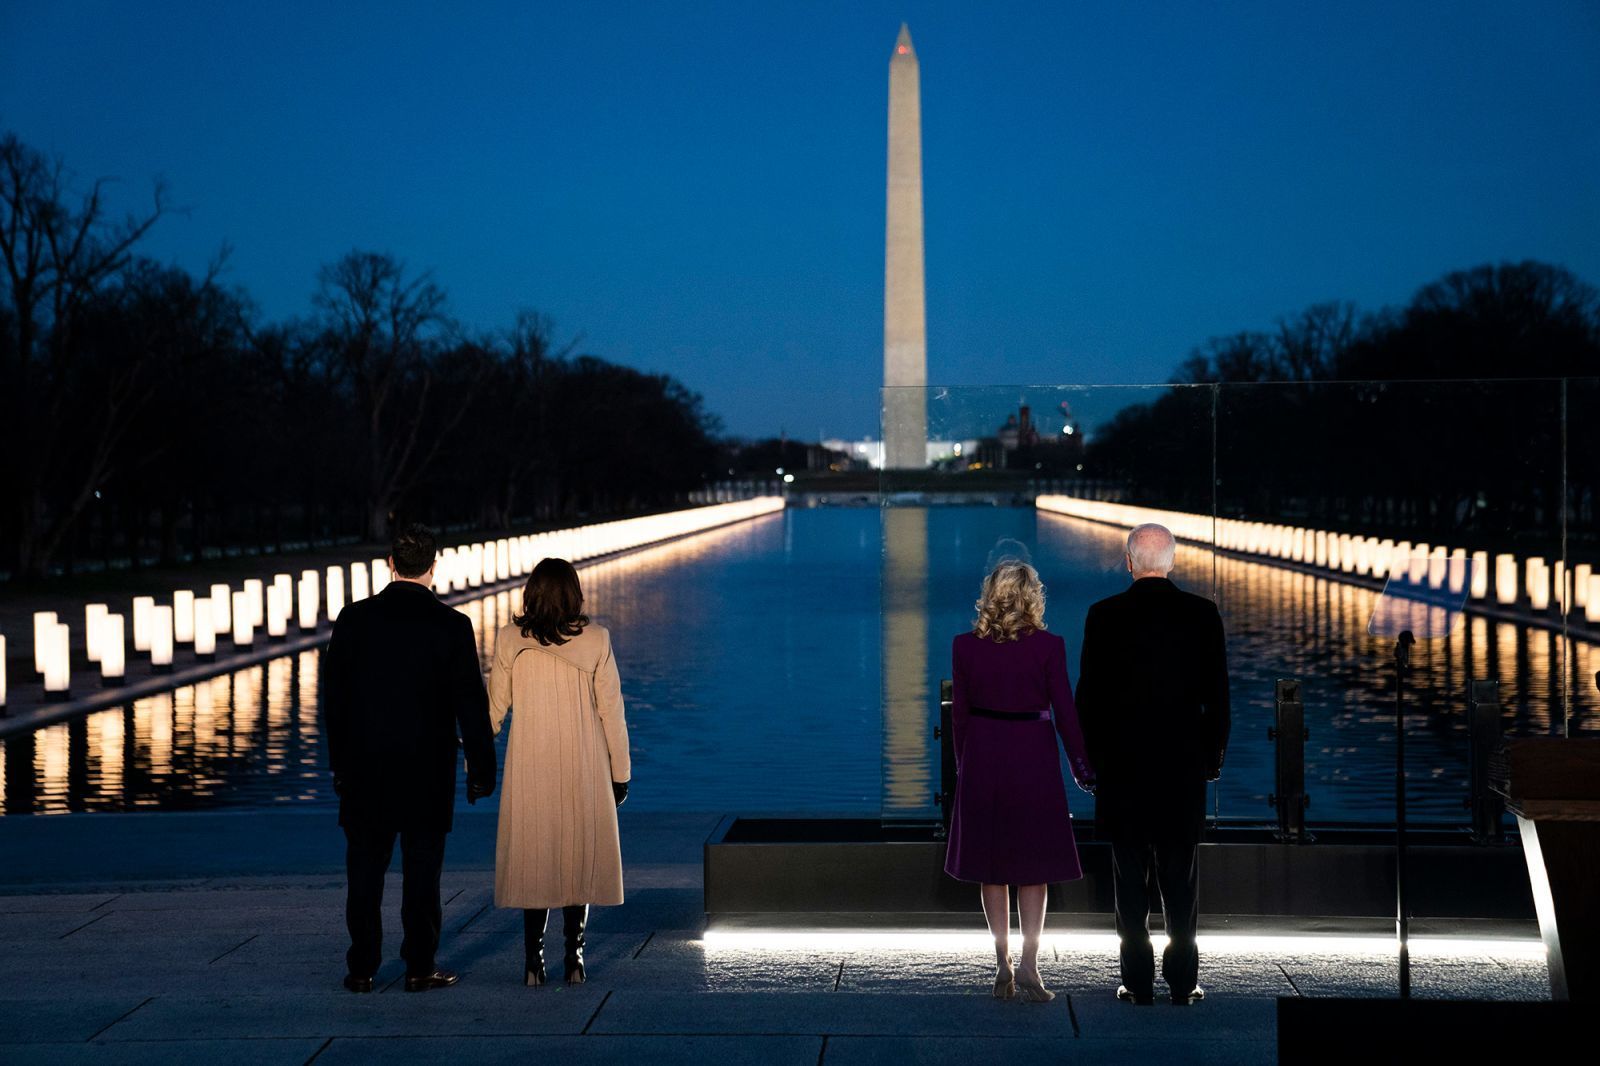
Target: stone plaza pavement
173	938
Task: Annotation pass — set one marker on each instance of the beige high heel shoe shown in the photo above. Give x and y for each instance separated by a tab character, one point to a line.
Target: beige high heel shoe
1033	989
1005	986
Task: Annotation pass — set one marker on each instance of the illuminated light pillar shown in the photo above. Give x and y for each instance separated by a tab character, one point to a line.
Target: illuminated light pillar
1580	585
1563	596
93	615
1382	558
1458	571
310	605
1438	567
1418	572
1505	578
1591	610
1322	547
359	588
257	601
58	660
160	626
2	673
1480	575
183	616
221	613
475	566
243	622
442	571
1536	576
43	621
142	606
335	592
285	583
277	612
905	328
114	652
380	575
205	630
502	559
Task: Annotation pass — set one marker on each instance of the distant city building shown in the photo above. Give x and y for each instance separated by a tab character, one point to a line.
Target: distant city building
870	453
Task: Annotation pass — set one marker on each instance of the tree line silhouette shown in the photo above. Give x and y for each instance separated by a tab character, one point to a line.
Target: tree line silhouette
147	412
1467	417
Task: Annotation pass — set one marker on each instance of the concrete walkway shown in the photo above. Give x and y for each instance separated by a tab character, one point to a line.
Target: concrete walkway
178	938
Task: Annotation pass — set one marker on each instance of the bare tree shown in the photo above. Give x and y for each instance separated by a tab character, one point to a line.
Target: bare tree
1312	343
382	332
60	248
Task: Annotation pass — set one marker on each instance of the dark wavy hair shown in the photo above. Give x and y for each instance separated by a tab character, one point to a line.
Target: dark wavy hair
552	603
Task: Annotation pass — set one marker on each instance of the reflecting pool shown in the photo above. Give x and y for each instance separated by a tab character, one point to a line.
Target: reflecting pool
790	663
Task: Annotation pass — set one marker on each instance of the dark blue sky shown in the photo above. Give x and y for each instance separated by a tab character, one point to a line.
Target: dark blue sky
698	188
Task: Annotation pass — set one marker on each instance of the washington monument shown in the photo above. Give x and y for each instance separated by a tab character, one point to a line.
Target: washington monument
905	331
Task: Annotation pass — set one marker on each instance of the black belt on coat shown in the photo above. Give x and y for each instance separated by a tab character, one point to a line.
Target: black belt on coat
1010	716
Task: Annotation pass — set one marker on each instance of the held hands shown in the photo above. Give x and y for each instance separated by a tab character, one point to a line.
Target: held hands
1214	768
619	789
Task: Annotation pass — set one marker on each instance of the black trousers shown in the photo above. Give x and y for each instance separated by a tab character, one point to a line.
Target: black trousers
1142	868
367	854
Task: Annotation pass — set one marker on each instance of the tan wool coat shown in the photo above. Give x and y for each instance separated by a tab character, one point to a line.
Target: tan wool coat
557	842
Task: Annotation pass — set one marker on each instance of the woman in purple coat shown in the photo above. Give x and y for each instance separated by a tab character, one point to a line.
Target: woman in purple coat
1010	825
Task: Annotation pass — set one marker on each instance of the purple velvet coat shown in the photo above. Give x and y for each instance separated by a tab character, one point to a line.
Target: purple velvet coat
1010	824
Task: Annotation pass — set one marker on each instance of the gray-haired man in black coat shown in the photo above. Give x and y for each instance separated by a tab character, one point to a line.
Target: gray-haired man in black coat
1153	702
400	677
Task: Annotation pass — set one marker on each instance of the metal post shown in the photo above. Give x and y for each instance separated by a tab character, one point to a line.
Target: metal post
1484	733
1402	667
1289	778
947	758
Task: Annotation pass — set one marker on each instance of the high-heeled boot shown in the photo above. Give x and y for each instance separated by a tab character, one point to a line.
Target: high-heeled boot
533	923
574	919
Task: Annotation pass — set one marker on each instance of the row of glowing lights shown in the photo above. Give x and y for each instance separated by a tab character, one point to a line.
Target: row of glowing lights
1536	583
1220	944
199	621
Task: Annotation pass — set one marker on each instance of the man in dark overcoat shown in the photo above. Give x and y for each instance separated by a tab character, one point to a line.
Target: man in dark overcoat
1153	702
401	682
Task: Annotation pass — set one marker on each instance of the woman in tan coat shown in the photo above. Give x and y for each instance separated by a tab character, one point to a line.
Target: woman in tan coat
567	764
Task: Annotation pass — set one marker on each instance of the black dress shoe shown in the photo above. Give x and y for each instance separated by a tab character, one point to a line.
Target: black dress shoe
1138	1001
357	984
436	979
1193	997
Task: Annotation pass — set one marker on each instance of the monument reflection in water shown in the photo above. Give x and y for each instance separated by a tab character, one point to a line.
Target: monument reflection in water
760	676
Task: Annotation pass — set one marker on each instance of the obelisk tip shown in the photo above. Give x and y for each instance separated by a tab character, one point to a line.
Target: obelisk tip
902	43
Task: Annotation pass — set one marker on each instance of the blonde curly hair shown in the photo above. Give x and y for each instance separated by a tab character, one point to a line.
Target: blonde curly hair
1012	604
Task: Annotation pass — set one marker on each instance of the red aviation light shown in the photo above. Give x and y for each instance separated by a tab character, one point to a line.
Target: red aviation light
901	49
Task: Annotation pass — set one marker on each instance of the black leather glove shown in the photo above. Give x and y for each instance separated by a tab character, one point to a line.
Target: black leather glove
619	789
477	790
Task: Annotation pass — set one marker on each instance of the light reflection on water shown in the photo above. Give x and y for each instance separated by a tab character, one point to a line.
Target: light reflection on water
751	659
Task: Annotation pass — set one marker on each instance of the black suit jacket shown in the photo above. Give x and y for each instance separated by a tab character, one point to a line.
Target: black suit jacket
1153	702
400	676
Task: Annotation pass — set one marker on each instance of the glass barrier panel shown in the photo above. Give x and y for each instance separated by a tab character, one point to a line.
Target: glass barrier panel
1326	489
991	456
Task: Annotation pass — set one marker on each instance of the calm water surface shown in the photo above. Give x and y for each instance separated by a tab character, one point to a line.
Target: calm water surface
765	670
